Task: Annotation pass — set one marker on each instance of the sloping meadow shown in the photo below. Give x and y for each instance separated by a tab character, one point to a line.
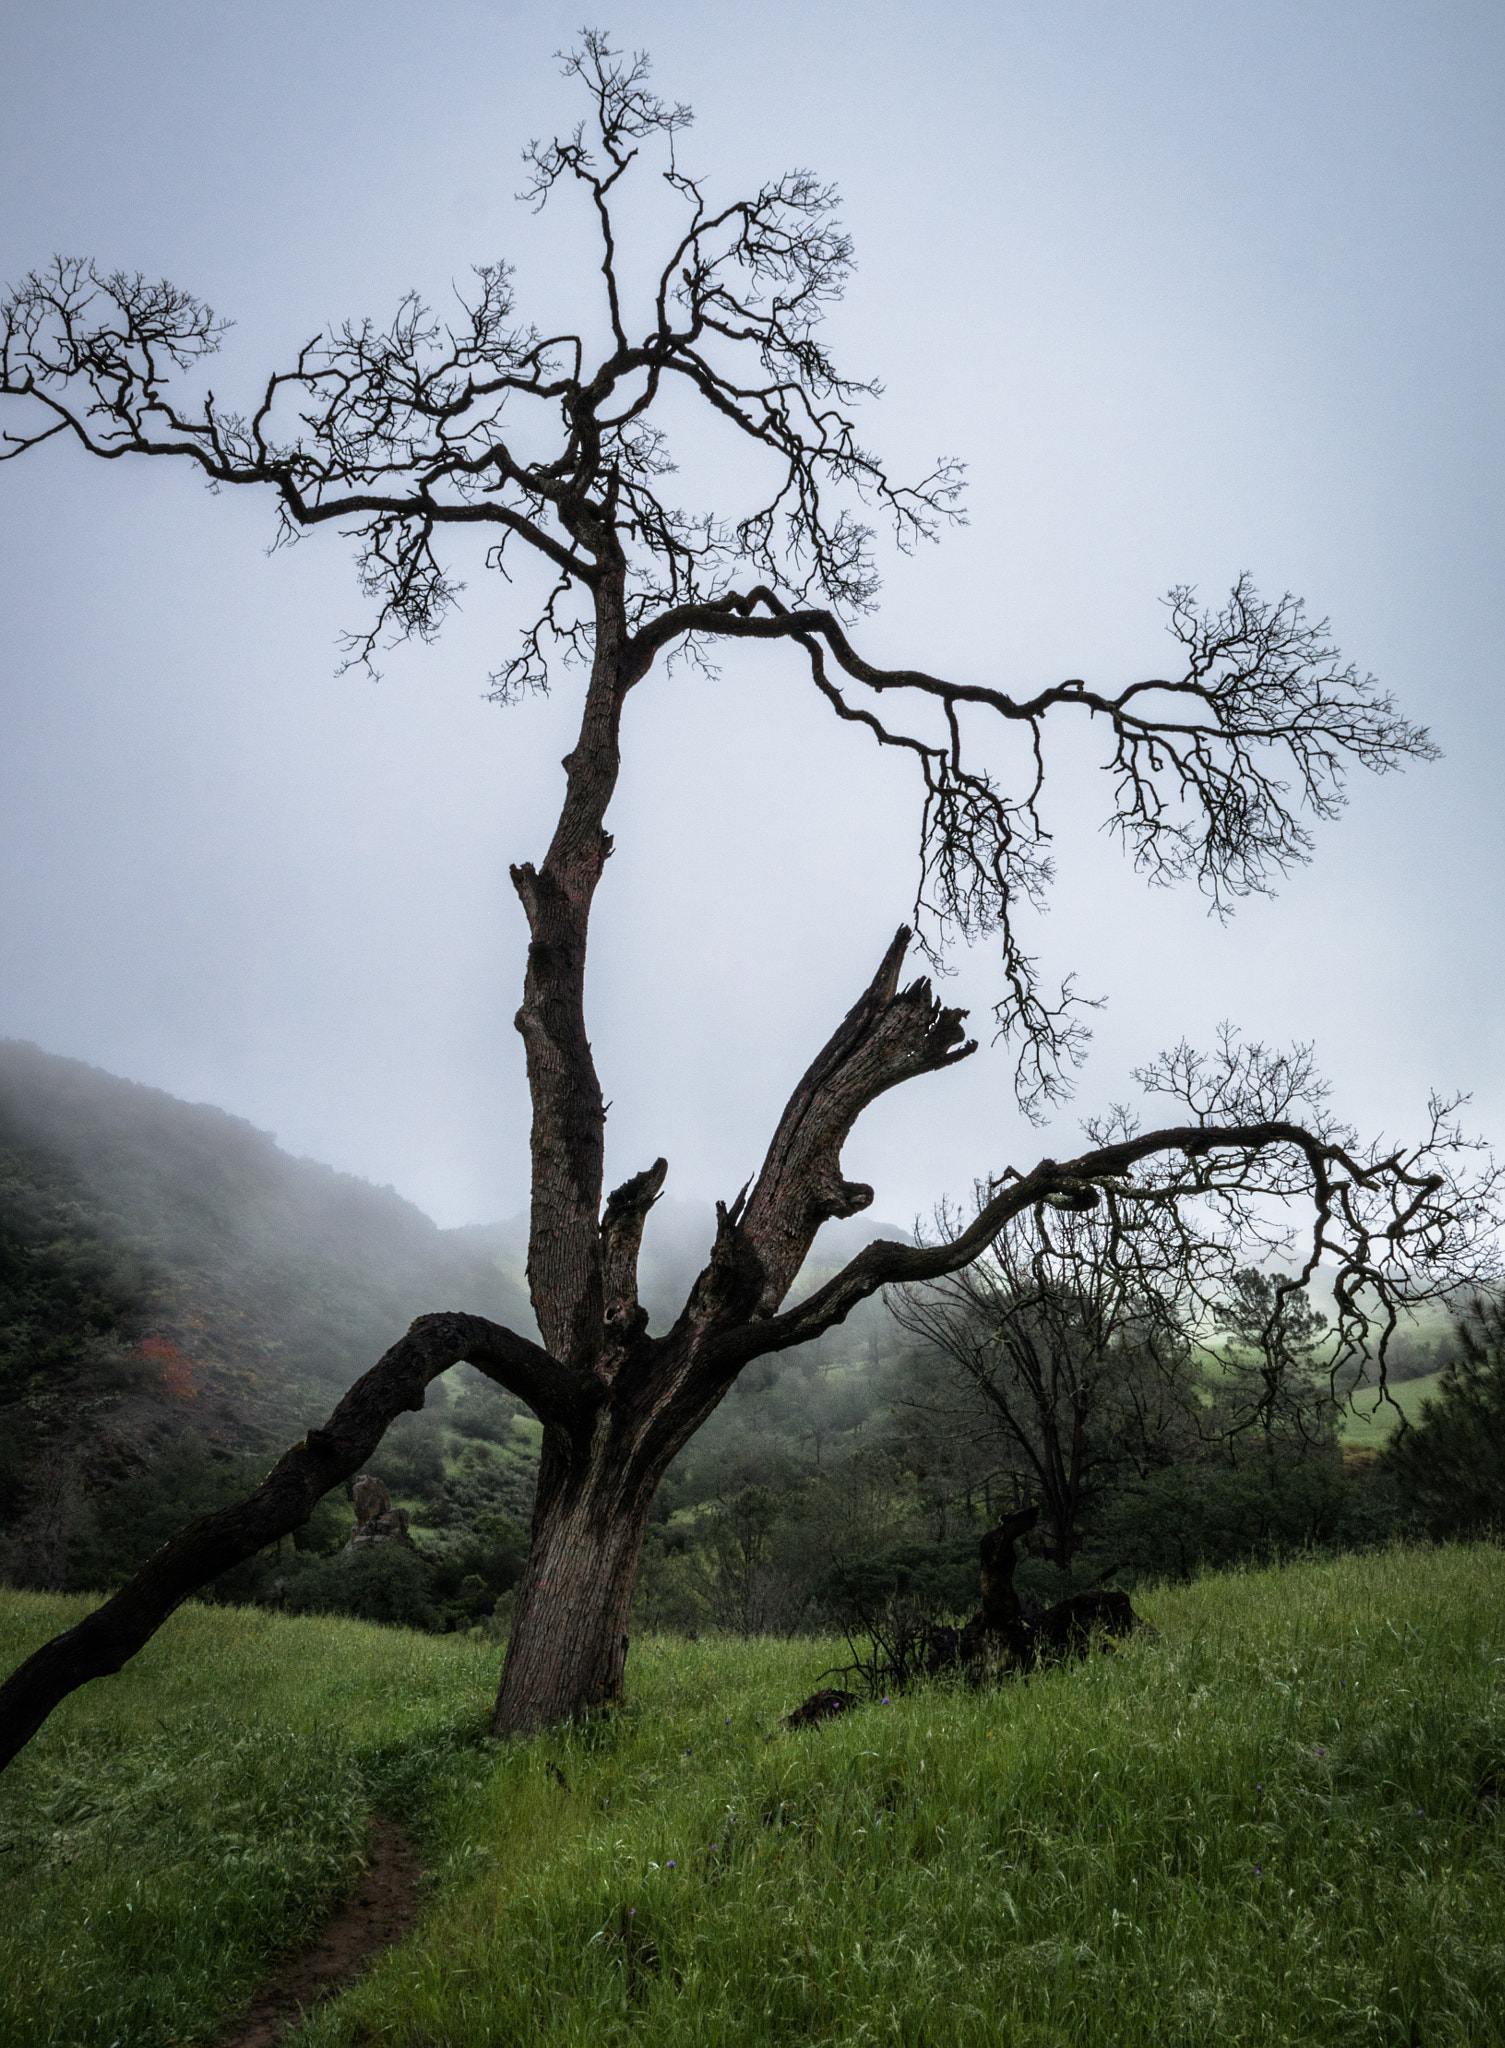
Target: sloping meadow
1278	1820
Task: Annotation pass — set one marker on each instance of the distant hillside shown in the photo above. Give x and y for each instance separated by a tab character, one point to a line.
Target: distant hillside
166	1269
175	1288
1371	1423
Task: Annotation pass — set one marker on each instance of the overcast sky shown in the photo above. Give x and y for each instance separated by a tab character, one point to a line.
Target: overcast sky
1194	290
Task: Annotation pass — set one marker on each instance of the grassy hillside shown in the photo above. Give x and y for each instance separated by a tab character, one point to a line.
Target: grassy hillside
1370	1426
1276	1821
179	1299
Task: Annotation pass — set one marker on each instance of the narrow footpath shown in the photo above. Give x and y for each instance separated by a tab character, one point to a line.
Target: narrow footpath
383	1910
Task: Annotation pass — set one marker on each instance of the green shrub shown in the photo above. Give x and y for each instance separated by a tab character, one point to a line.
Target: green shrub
1191	1518
186	1479
381	1582
942	1577
1449	1468
469	1574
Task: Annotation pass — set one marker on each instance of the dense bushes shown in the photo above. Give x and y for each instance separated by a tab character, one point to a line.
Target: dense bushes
453	1585
453	1581
68	1278
765	1562
1186	1519
941	1577
381	1582
124	1525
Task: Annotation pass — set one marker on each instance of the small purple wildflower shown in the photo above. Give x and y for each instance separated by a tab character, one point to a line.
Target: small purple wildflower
885	1699
632	1912
670	1864
1259	1870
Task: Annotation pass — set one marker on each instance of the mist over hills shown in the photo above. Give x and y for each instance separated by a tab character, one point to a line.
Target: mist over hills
168	1272
243	1242
165	1268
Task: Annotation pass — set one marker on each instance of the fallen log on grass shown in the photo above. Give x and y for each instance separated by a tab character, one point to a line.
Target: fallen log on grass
1010	1633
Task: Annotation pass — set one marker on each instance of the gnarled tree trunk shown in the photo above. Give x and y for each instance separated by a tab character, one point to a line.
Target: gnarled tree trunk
600	1470
568	1646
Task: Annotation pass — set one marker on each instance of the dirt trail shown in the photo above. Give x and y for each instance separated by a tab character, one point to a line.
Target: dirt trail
383	1909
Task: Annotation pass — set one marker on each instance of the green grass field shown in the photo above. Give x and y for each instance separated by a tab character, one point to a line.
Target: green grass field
1262	1826
1371	1425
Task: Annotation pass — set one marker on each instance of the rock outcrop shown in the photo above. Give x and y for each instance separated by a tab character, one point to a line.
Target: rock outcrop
376	1520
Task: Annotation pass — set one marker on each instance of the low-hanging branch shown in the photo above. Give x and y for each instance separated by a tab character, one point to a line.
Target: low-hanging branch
106	1639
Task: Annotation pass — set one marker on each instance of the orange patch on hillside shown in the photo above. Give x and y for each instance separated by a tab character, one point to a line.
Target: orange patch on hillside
174	1366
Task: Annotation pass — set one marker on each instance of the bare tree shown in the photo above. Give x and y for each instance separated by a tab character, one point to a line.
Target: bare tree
1065	1350
1276	1378
407	434
734	1571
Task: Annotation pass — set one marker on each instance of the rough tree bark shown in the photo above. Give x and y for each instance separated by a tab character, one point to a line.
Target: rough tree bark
395	434
597	1480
